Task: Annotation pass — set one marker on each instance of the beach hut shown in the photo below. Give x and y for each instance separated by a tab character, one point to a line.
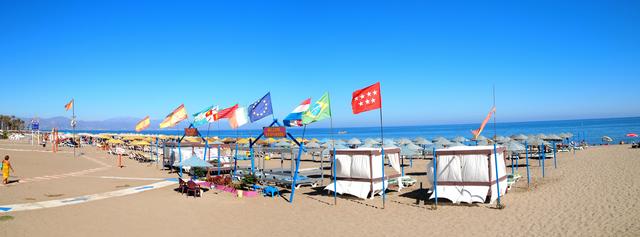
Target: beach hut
359	171
467	174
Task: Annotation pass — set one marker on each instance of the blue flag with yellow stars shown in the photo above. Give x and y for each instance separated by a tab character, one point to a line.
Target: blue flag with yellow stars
261	108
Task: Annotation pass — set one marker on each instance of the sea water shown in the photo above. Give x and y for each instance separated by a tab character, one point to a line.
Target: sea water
589	130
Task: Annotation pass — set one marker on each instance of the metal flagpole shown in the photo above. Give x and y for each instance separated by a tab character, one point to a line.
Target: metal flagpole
434	161
333	141
384	195
526	150
495	149
235	156
73	125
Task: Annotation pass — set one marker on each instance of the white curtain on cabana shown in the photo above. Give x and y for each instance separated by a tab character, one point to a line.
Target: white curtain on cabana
359	166
467	168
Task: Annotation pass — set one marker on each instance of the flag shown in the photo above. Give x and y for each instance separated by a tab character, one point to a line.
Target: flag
175	117
294	119
205	116
320	110
69	105
226	113
261	108
239	118
143	124
476	133
366	99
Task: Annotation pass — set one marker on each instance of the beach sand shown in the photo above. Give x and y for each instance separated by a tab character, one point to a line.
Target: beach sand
594	193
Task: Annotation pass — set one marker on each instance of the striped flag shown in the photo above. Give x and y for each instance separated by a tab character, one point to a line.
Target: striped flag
294	119
476	133
226	113
69	105
239	118
174	117
143	124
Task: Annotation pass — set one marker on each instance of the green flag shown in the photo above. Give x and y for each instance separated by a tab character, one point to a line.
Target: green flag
320	110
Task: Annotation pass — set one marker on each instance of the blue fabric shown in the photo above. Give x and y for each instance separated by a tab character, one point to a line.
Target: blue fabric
261	108
293	120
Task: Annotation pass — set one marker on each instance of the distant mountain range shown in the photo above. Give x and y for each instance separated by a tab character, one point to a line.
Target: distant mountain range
122	123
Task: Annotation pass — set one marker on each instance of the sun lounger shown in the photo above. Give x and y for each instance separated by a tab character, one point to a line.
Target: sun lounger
194	188
512	179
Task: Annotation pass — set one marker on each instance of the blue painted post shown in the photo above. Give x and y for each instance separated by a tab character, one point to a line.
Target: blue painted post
435	176
295	174
384	193
335	180
252	159
555	152
517	160
235	159
512	168
539	156
157	153
526	155
495	160
402	166
219	161
206	146
410	162
542	151
180	158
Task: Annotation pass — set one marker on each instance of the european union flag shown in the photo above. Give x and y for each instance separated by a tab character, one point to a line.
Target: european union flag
261	108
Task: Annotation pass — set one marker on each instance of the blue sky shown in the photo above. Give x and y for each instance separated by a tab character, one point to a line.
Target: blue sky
436	61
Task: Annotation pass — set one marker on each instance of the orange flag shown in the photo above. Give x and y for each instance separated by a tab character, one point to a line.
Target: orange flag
476	133
143	124
69	105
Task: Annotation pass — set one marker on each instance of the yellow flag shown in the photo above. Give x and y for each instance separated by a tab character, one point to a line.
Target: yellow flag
143	124
174	117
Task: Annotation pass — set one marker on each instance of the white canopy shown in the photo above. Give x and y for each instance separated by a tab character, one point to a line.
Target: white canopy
359	169
467	174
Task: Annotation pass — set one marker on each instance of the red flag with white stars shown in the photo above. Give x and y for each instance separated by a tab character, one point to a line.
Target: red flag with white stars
366	99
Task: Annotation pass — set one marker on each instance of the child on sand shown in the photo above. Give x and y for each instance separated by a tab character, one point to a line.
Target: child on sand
6	165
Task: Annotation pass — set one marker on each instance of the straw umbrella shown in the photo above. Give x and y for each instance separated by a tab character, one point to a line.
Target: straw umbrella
354	142
460	139
519	137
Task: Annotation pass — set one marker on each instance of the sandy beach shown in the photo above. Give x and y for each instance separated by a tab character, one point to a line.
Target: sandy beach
593	193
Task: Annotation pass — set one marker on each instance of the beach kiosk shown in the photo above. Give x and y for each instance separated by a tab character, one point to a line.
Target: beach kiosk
359	171
467	174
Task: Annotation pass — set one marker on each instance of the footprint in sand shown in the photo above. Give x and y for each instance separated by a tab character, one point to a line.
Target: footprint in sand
53	195
123	186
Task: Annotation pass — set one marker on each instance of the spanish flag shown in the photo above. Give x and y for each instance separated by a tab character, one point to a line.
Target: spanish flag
143	124
174	117
69	105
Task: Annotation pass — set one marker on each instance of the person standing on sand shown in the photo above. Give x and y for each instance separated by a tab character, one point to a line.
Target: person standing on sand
6	165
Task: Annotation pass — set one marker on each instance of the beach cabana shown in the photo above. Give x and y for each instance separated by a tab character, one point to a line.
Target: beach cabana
467	174
359	171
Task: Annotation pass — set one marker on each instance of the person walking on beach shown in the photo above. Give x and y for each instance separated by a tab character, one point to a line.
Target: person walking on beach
6	165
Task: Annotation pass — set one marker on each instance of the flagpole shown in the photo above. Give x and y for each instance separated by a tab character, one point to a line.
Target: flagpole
73	125
295	174
495	149
383	156
333	141
235	156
